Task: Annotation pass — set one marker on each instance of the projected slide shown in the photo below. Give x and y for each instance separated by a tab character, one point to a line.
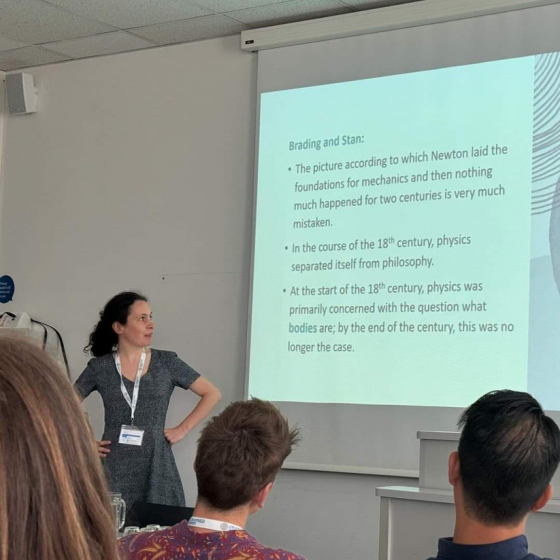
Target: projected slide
405	238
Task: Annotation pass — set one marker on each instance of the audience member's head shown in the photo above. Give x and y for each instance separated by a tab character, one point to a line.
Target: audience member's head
508	452
53	497
240	451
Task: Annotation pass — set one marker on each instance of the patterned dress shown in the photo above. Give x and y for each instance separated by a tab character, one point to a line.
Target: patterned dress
147	473
180	543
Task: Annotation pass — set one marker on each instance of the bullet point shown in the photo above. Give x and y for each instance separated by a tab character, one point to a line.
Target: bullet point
286	247
289	168
284	289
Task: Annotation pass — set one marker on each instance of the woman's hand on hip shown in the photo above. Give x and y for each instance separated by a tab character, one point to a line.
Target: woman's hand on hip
175	435
102	449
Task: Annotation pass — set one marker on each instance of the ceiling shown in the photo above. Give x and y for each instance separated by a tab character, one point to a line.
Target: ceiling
35	32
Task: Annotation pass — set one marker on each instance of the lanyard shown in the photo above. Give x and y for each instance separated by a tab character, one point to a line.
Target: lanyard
213	524
131	403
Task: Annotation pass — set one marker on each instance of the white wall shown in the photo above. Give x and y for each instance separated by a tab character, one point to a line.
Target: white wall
324	516
136	172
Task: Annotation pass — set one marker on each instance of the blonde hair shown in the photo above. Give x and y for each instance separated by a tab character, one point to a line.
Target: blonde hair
54	501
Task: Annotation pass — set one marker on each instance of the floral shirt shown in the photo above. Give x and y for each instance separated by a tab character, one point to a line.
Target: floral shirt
180	543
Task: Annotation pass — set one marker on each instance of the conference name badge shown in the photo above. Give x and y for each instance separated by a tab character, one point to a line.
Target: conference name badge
131	435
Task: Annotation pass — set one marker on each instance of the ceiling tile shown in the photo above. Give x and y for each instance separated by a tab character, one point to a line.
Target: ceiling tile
289	12
28	56
220	6
187	30
97	45
9	44
32	21
133	13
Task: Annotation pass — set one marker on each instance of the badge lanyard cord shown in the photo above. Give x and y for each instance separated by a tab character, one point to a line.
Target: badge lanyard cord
213	524
131	403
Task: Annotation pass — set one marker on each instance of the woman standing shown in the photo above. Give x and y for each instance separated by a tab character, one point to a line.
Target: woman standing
136	383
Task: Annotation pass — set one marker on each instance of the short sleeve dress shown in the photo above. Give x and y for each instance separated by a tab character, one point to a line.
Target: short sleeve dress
147	473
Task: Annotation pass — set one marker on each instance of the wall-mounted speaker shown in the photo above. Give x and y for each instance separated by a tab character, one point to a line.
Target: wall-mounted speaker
21	93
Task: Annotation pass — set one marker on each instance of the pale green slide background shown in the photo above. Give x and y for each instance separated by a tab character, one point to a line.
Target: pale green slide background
452	108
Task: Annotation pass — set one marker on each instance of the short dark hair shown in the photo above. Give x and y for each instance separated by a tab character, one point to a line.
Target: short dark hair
508	453
240	451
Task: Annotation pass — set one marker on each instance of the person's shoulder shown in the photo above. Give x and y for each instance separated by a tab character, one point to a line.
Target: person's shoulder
278	554
166	358
165	355
139	544
265	553
101	362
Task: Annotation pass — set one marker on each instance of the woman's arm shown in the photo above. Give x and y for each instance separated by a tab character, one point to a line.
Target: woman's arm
209	397
102	449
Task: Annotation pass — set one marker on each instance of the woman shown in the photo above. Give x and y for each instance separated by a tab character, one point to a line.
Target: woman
135	384
54	502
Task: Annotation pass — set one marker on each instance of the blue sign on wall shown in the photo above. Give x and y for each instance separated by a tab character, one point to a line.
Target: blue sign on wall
7	288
